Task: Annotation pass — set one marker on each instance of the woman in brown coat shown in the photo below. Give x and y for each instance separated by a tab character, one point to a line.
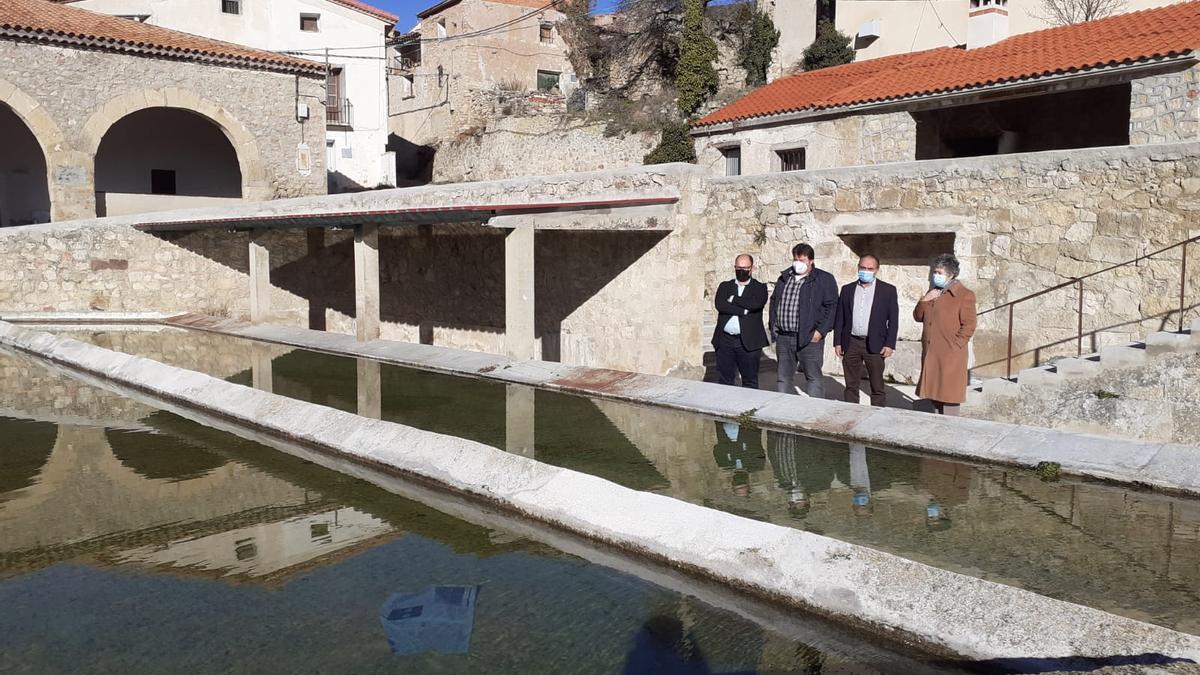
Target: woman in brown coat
947	313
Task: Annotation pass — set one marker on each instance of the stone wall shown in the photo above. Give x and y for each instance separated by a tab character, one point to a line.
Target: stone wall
828	143
74	96
1018	223
539	146
1163	108
638	300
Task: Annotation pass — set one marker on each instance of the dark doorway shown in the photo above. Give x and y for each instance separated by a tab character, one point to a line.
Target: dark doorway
24	190
1087	118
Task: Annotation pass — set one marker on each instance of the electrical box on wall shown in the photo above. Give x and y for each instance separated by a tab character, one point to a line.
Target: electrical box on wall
301	111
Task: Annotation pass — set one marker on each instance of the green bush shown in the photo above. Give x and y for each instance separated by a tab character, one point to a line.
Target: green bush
830	48
760	40
675	145
695	77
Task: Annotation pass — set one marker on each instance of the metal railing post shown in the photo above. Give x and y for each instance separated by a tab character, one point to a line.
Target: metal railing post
1010	327
1079	339
1182	284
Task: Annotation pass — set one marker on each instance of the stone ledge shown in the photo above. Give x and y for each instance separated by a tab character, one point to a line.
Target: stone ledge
945	612
961	437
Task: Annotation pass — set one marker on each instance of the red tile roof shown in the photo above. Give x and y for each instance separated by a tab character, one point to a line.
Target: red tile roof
1123	39
45	21
368	9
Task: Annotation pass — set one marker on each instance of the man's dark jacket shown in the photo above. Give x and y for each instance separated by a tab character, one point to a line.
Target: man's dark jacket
883	325
818	298
748	308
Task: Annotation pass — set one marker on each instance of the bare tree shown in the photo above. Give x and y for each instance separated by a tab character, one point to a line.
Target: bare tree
1063	12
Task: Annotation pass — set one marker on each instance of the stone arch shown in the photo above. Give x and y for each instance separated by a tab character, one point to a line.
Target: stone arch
68	174
254	176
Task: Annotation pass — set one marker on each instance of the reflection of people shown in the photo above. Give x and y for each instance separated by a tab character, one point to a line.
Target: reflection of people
803	467
865	329
801	316
935	517
739	337
663	646
860	480
947	312
739	449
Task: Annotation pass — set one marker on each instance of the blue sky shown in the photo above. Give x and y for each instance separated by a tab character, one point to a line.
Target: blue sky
407	9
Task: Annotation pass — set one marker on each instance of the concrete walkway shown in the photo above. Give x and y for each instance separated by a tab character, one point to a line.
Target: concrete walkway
1164	466
942	611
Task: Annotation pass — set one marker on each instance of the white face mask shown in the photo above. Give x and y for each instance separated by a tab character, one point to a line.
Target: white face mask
800	267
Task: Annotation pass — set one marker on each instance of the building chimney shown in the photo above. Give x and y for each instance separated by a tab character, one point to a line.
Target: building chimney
987	23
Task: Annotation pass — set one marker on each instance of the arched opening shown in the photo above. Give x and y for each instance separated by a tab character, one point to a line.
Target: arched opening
24	191
160	457
27	448
162	158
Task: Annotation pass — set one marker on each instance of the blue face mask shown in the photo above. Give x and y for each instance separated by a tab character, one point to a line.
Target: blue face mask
940	280
865	276
862	499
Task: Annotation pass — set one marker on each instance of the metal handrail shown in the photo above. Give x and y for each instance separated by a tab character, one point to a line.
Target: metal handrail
339	113
1078	282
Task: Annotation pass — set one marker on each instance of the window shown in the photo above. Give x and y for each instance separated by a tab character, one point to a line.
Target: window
231	6
441	28
546	33
733	160
547	80
791	159
408	86
310	23
162	182
337	108
245	549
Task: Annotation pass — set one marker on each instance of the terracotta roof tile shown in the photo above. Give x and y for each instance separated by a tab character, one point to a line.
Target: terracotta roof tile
368	9
47	21
1126	38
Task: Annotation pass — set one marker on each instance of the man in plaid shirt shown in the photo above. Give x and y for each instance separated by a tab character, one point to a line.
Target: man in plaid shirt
802	314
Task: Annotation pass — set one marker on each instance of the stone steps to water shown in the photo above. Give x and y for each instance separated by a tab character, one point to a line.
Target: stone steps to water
1136	386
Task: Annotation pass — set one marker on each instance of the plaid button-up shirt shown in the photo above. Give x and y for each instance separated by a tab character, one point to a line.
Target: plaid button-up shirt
789	303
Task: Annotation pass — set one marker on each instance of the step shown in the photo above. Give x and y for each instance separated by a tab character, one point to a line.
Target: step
1039	377
1000	387
1165	342
1076	368
1122	357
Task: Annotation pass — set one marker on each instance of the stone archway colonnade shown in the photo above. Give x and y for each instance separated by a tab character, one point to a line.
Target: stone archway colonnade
70	166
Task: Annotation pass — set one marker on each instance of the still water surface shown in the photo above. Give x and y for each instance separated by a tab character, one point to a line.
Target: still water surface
1122	550
133	540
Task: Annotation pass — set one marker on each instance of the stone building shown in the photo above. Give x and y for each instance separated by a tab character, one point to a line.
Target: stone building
348	36
111	116
887	27
1133	74
463	55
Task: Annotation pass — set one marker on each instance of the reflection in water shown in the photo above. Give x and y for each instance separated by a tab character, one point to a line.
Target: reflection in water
1118	549
438	619
196	551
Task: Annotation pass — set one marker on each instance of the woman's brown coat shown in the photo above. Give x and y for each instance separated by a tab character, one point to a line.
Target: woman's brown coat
949	323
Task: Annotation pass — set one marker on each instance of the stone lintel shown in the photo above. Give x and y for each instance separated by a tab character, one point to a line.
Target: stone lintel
658	217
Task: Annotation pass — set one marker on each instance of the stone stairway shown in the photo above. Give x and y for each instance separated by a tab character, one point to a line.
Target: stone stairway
1148	390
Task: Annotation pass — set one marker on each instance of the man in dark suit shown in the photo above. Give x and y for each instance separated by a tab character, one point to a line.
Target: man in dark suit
865	329
739	337
802	309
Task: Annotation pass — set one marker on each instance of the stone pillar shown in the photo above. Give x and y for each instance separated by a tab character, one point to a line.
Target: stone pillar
370	389
366	282
519	420
519	332
261	374
260	278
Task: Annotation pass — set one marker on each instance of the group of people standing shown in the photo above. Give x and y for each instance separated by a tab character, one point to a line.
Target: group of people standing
806	307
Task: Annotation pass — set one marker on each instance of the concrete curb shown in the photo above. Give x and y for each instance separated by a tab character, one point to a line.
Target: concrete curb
1158	465
943	611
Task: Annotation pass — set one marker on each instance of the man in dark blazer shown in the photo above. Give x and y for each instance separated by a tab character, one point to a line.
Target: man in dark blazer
739	337
865	328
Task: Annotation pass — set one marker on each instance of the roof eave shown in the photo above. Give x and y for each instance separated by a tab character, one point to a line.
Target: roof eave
114	45
810	113
436	9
